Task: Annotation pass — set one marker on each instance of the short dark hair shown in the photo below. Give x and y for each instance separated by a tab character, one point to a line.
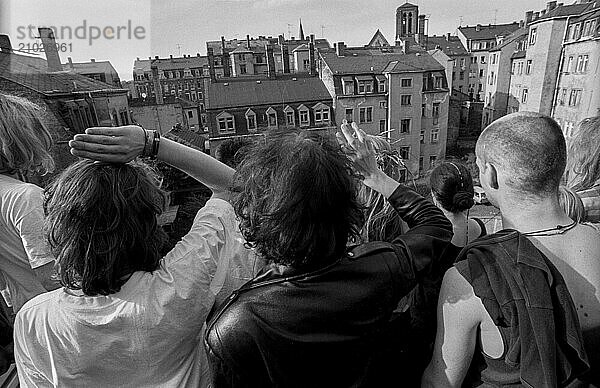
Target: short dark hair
231	151
101	221
452	186
530	147
297	199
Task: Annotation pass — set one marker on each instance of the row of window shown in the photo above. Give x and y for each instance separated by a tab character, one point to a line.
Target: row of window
364	86
581	66
226	121
517	67
582	29
481	59
483	45
567	127
574	96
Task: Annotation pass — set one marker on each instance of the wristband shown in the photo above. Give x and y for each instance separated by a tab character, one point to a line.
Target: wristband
155	144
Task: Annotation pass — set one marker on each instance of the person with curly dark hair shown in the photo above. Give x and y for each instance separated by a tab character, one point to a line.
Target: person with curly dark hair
318	314
126	316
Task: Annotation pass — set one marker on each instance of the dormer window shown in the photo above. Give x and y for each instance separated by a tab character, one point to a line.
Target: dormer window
226	122
321	113
365	85
348	85
290	119
271	117
304	118
251	120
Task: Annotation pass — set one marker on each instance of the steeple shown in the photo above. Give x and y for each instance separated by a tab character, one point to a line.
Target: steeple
301	31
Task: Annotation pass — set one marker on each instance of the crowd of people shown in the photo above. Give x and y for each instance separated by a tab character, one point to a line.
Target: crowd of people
310	265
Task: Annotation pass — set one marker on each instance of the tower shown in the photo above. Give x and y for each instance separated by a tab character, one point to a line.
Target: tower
301	33
407	21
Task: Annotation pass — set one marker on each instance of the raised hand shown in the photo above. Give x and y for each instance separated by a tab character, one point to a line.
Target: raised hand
109	144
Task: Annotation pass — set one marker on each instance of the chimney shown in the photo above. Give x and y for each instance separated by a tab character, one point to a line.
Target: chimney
49	43
5	44
521	23
70	63
448	37
270	61
421	29
93	60
542	12
157	87
550	6
311	55
248	42
285	54
528	17
340	48
211	64
171	56
536	16
225	59
478	27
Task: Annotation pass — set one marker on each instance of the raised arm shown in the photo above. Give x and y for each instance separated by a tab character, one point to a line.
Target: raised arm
123	144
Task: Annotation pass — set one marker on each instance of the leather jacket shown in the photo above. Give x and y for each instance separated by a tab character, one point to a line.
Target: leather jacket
328	327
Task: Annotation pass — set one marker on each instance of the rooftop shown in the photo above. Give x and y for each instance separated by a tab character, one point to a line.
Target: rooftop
490	31
257	45
564	11
521	33
450	45
243	93
31	72
356	61
189	62
90	67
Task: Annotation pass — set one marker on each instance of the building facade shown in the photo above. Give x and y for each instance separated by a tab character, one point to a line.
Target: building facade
99	70
461	59
577	96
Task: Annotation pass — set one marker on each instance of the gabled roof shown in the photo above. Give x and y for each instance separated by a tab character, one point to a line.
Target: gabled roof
366	63
90	67
489	31
521	33
451	46
233	93
564	11
407	4
378	40
31	72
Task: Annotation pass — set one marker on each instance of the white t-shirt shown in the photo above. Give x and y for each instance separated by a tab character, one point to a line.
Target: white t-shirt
149	333
22	242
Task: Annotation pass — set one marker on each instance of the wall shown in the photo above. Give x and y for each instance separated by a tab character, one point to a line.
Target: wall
157	117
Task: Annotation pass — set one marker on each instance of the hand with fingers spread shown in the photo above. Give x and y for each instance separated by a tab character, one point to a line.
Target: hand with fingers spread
110	144
361	151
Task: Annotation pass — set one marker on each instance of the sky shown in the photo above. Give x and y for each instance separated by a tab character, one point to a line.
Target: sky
121	30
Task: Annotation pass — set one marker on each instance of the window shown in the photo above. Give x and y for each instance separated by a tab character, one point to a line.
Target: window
520	68
226	122
348	87
528	66
435	135
349	115
405	126
462	62
405	99
586	28
406	82
304	120
524	96
272	119
190	114
577	31
513	68
432	160
251	120
481	72
422	136
532	36
365	87
461	75
570	64
453	76
243	69
420	163
365	115
475	46
582	62
473	60
322	114
381	86
382	126
436	113
563	96
423	110
482	59
306	64
404	152
575	97
383	104
290	120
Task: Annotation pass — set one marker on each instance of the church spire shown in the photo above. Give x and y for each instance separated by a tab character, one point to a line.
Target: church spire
301	31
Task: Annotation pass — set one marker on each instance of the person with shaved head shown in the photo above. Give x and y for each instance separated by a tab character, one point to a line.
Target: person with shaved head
510	308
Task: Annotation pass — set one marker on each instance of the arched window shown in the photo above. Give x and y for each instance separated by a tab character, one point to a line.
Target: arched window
410	23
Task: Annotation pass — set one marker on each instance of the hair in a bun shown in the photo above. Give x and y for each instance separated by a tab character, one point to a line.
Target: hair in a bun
452	186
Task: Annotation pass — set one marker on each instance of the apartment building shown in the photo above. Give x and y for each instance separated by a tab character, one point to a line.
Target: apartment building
461	59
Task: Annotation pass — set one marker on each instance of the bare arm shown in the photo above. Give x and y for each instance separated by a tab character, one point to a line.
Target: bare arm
123	144
459	316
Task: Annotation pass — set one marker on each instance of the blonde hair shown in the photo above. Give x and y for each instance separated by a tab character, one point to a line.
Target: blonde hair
571	204
25	142
583	158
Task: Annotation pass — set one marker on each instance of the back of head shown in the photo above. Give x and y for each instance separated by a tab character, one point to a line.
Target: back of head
584	155
571	204
102	225
25	142
297	199
452	186
231	151
528	149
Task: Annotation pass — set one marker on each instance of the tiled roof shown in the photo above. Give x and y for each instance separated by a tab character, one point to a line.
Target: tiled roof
564	11
489	31
588	14
31	72
451	47
91	67
144	65
239	93
189	138
366	62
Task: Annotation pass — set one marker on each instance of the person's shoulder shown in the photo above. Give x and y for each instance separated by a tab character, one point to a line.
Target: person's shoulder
369	249
34	307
